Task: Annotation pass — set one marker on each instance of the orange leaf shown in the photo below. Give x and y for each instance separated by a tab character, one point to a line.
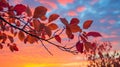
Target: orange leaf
74	21
57	37
48	31
87	24
37	25
64	21
28	11
53	26
18	23
39	12
53	17
21	35
31	39
11	39
75	28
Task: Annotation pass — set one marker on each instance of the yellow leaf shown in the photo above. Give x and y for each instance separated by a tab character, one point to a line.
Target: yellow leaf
52	26
21	35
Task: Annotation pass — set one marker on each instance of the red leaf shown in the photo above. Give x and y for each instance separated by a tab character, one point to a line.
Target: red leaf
57	37
15	47
19	8
87	24
64	21
74	21
3	3
48	31
79	46
53	17
94	34
39	12
1	8
1	46
21	36
68	32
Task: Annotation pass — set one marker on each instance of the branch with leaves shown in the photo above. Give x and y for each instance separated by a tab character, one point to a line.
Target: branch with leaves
33	28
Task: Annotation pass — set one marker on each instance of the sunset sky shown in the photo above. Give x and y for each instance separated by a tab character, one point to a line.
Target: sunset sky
104	13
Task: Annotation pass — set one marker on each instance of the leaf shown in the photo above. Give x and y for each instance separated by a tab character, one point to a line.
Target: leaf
15	47
18	23
53	17
57	37
88	46
39	12
19	8
53	26
48	31
94	34
37	25
11	39
75	28
64	21
83	38
68	32
28	11
87	24
21	35
79	47
1	46
31	39
74	21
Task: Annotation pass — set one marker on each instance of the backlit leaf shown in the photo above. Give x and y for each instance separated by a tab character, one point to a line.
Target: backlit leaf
74	21
53	17
94	34
28	11
31	39
1	46
87	24
15	47
21	35
53	26
39	12
11	39
48	31
88	46
57	37
19	8
37	25
75	28
64	21
68	32
79	47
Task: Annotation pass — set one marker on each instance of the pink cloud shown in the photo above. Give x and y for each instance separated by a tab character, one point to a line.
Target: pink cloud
81	9
93	2
111	21
49	4
102	20
72	13
65	2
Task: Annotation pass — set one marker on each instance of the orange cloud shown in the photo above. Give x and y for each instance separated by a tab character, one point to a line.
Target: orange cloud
65	2
81	9
72	13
